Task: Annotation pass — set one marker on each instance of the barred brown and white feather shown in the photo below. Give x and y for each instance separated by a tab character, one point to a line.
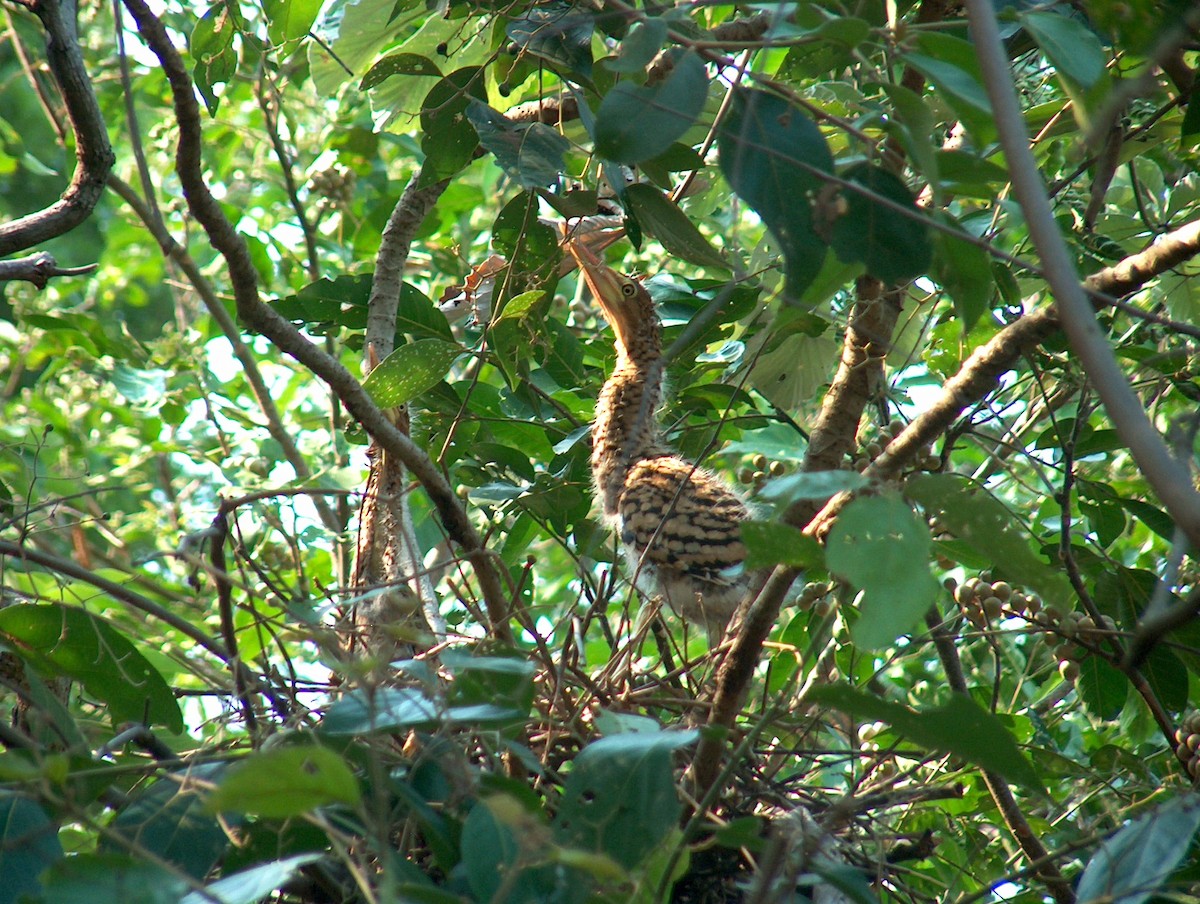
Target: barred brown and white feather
679	523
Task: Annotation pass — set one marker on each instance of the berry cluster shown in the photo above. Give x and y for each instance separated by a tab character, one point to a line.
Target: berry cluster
984	600
871	446
1187	744
817	596
334	186
759	470
1072	635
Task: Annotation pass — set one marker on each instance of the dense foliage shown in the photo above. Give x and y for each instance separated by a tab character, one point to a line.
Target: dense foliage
247	660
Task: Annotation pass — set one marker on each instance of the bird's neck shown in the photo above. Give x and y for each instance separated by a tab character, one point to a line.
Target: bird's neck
626	429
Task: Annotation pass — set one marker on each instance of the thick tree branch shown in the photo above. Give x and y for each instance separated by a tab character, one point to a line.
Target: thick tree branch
93	154
265	320
1166	474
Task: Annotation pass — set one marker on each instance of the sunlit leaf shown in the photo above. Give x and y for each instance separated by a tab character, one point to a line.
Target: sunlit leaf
771	543
285	781
410	370
63	640
883	549
253	884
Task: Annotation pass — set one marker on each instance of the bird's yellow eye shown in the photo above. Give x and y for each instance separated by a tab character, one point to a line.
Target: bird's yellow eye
628	290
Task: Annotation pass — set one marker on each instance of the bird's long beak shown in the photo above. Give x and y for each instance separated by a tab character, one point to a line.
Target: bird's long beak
604	282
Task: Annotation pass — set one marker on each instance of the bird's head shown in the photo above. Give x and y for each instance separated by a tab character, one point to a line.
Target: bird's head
626	304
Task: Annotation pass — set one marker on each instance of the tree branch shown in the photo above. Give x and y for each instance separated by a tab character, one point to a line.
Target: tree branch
38	269
93	154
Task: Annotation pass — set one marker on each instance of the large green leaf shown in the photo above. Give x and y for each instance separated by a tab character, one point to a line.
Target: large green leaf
447	137
638	122
290	20
1069	44
1133	864
661	218
881	547
531	153
410	370
894	247
620	799
28	845
773	157
285	781
64	640
961	728
212	45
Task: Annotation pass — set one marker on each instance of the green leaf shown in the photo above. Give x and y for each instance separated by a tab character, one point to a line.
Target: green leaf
965	271
978	519
894	247
211	45
290	20
520	307
661	218
1168	678
880	546
619	798
386	709
531	153
773	157
28	845
557	33
285	781
811	485
109	879
636	123
410	64
169	820
1068	44
640	45
503	837
951	65
1102	688
252	885
448	139
770	543
411	370
1135	863
63	640
961	728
